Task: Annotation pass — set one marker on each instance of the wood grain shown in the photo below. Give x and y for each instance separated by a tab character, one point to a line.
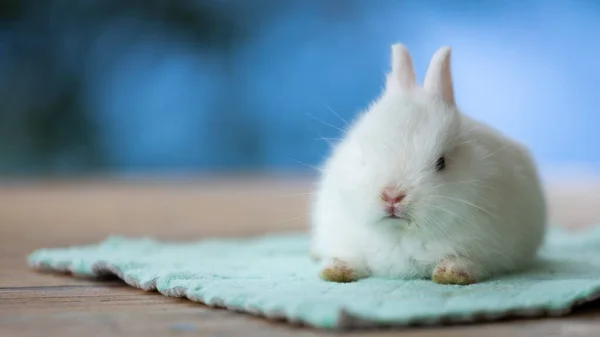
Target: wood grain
61	213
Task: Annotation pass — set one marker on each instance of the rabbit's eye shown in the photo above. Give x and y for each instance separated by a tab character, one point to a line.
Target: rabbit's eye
440	165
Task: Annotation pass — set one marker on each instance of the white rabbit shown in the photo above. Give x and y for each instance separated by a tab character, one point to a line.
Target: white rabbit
416	189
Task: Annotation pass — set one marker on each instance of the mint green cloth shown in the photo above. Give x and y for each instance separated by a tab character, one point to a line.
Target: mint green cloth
273	276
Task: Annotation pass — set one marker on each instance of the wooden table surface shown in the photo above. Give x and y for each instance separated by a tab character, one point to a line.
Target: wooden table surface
60	213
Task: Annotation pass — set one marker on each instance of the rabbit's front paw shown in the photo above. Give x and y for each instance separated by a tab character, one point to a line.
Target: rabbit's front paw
338	270
453	271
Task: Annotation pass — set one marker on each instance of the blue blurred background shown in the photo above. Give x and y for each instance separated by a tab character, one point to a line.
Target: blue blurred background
184	86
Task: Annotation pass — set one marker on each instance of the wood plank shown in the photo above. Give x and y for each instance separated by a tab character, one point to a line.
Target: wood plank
51	214
111	310
93	210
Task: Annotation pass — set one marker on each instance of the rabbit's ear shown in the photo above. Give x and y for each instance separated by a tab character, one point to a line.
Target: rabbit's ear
403	74
438	79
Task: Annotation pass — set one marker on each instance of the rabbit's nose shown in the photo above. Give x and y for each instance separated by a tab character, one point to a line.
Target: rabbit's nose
392	196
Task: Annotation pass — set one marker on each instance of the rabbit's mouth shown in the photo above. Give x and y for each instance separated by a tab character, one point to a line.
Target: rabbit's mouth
399	212
396	216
